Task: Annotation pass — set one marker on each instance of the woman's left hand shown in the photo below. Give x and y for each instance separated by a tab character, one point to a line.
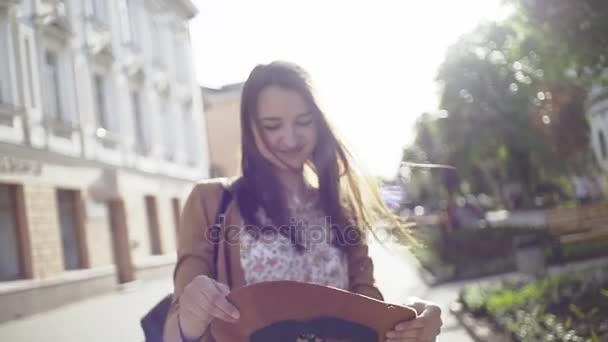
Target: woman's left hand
425	328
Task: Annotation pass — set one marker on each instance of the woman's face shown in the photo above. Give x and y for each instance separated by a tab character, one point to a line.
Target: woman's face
288	126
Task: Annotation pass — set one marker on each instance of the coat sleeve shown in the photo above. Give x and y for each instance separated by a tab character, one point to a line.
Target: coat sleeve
195	250
361	272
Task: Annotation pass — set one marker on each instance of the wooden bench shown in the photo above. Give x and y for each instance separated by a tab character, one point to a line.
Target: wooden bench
584	223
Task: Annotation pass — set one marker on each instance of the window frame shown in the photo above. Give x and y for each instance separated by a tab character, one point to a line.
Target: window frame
5	78
98	12
78	217
52	93
170	132
22	236
142	141
63	123
176	208
190	132
107	129
153	223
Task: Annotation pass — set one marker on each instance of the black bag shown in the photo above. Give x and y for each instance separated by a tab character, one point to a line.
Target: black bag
153	323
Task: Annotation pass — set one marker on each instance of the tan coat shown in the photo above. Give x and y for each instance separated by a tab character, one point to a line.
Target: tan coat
195	250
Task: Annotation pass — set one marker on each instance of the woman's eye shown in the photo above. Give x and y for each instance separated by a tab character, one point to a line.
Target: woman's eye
271	127
305	123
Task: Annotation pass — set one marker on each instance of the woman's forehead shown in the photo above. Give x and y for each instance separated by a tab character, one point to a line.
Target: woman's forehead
275	101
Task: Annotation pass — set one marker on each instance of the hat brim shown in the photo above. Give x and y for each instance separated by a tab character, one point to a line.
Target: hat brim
286	307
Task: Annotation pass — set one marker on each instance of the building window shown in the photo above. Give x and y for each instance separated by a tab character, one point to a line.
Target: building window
603	145
170	136
157	49
71	223
30	77
105	130
58	118
53	106
153	225
5	85
10	256
125	21
176	205
129	21
97	10
142	145
182	58
99	86
191	135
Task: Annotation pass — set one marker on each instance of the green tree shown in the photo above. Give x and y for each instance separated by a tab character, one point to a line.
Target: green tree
488	92
515	95
569	37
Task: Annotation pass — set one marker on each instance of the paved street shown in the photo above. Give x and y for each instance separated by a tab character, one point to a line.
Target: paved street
115	316
111	317
396	272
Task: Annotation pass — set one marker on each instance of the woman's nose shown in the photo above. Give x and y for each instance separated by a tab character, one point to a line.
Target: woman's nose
291	138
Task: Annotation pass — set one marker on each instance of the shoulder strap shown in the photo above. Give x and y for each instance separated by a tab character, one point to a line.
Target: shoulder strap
217	225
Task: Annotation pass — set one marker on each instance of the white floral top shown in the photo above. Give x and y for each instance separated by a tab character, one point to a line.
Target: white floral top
273	257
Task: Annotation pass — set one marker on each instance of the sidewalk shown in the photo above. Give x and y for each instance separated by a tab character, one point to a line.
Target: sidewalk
111	317
396	272
115	316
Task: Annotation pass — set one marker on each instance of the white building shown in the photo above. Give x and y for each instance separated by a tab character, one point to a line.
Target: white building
599	125
101	136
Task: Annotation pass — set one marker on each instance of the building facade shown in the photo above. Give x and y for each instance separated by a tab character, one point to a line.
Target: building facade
598	112
223	121
101	138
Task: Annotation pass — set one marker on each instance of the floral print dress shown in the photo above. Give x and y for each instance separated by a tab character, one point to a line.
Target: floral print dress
273	257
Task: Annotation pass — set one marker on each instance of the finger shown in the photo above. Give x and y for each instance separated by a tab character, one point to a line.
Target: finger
196	313
219	314
413	333
212	308
413	324
220	306
225	291
431	311
222	288
430	335
195	299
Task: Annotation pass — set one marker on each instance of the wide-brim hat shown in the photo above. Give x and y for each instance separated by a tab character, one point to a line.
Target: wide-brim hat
287	311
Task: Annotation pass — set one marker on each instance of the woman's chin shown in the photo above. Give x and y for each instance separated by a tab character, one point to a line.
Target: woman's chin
293	166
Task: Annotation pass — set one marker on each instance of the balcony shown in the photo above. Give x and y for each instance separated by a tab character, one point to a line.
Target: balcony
108	139
142	148
8	113
60	127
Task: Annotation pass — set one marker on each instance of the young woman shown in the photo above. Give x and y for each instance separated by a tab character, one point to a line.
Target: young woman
300	212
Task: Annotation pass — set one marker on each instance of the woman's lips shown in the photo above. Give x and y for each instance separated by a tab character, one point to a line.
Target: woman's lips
292	153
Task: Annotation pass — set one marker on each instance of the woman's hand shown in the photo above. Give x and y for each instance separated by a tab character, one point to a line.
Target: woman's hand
202	300
425	328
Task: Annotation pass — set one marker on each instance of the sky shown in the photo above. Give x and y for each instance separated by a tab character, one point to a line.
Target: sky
373	62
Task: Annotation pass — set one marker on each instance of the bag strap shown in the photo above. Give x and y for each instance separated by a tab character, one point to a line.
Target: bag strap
215	232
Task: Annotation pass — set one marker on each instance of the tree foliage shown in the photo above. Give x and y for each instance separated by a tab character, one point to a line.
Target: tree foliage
514	93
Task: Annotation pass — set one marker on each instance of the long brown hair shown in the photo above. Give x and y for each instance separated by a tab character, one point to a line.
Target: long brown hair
350	201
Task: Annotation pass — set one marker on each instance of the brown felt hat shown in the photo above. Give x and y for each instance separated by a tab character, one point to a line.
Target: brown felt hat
286	311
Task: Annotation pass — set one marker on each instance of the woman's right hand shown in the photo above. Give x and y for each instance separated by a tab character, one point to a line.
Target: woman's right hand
203	300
